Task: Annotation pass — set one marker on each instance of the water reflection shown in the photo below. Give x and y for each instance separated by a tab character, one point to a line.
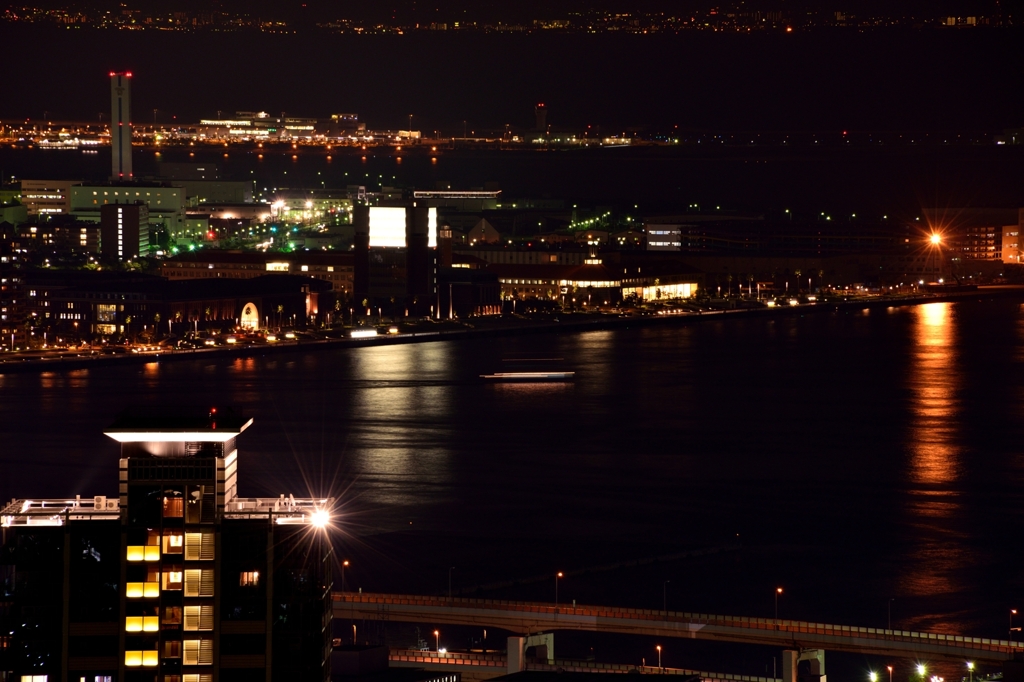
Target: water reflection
934	381
935	460
400	412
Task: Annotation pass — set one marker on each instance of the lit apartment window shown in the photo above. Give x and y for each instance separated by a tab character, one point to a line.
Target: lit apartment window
199	546
172	649
135	659
172	580
146	590
141	624
171	615
198	618
34	678
143	553
249	579
173	543
174	507
199	583
197	652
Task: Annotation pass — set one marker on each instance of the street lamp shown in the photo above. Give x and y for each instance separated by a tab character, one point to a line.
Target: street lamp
437	641
557	576
936	240
659	657
344	565
778	591
970	670
921	670
1013	612
873	676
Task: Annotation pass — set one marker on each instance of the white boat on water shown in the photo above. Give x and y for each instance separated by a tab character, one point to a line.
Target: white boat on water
529	376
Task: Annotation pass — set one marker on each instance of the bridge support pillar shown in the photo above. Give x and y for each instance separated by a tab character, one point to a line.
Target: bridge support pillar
545	645
516	655
789	665
803	666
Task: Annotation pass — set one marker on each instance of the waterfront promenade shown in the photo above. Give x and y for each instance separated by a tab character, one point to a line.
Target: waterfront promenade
489	327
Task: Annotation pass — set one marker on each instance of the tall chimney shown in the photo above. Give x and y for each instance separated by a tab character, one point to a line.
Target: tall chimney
120	125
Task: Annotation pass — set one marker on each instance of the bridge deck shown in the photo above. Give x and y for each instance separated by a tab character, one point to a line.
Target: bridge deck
529	617
498	664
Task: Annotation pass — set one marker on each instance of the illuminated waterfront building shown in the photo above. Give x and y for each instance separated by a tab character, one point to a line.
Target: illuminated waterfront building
395	256
177	578
166	203
46	197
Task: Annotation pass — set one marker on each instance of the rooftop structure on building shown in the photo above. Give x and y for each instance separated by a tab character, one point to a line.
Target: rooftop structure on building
177	577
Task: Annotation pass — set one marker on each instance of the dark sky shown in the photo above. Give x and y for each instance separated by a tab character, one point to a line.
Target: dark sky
899	79
469	10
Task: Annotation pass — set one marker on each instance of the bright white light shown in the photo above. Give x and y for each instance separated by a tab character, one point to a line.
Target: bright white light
175	437
432	228
320	518
387	226
362	333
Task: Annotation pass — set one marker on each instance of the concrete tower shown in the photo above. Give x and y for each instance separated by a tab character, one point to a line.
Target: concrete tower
121	125
361	249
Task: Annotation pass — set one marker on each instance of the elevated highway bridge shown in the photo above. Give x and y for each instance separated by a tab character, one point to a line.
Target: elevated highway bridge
527	618
478	666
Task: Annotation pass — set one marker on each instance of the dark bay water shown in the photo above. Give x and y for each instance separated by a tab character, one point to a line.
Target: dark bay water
848	457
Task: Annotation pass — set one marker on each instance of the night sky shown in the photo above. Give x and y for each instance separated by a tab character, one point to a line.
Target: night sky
898	79
448	10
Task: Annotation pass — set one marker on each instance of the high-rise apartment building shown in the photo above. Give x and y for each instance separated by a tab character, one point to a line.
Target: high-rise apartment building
121	125
177	579
124	231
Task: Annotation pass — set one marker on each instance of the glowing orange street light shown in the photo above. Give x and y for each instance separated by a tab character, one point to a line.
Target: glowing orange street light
778	591
557	576
437	641
344	565
936	238
659	657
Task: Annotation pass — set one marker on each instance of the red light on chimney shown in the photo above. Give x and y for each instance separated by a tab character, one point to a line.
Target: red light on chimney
129	74
112	74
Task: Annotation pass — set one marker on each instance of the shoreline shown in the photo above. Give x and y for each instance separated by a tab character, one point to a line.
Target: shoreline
574	326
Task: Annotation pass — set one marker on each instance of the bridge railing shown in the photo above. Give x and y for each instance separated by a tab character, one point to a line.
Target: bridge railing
458	659
797	627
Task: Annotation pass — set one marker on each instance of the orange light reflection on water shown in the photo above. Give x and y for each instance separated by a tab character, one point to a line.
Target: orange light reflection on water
934	382
935	464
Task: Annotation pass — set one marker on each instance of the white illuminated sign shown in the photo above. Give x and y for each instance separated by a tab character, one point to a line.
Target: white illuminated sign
387	226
